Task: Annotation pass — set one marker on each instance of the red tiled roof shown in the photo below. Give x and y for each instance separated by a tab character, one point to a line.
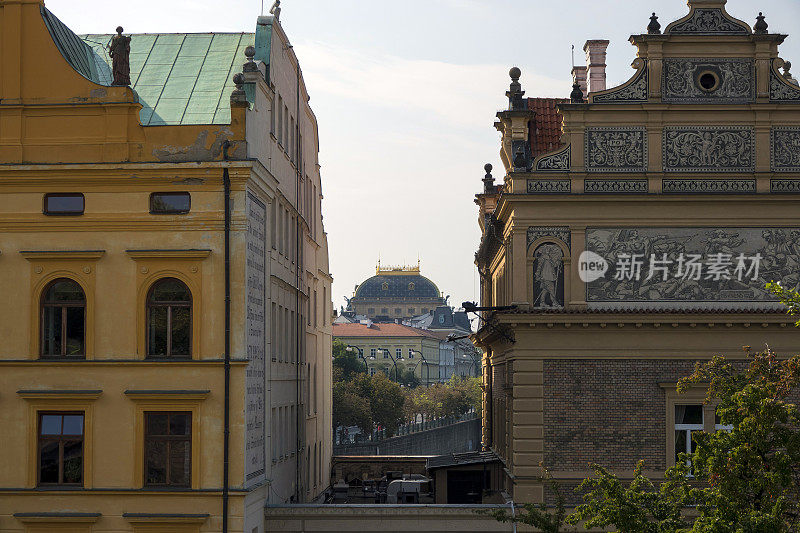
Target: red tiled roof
379	330
546	129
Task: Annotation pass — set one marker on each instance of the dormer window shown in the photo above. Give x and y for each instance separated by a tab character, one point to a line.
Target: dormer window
385	286
411	286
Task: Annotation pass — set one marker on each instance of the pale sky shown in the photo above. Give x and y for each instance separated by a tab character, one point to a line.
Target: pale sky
406	93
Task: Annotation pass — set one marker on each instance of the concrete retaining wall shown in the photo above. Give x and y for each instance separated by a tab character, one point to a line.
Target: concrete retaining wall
458	437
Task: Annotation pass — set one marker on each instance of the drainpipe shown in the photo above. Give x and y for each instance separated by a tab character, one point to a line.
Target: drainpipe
298	301
226	183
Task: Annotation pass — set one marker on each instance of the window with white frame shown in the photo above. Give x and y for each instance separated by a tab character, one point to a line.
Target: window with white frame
688	421
372	352
399	352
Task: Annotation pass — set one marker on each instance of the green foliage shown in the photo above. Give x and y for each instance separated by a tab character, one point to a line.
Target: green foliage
347	363
350	409
789	297
538	516
639	507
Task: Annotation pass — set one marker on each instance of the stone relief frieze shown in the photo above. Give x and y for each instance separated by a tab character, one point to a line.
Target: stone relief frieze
708	186
708	21
616	149
636	91
658	266
785	186
604	186
735	80
549	186
561	233
558	162
709	149
780	90
785	156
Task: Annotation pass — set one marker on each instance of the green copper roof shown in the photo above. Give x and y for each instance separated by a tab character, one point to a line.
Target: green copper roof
182	78
82	58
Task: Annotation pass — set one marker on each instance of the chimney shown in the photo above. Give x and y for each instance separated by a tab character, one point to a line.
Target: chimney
596	64
579	77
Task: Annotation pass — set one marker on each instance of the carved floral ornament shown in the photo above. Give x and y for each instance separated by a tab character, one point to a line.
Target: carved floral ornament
557	162
616	149
780	90
633	91
708	21
785	149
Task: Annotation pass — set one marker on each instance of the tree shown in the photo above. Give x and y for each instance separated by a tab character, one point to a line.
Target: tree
350	409
348	362
386	402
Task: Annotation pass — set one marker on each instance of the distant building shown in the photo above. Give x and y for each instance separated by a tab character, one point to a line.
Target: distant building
395	293
382	346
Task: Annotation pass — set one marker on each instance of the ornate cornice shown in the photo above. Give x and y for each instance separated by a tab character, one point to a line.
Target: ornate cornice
708	21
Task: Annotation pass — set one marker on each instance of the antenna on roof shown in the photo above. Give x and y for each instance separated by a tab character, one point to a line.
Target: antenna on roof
262	8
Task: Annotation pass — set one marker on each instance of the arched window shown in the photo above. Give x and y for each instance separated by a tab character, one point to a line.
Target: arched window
169	319
63	315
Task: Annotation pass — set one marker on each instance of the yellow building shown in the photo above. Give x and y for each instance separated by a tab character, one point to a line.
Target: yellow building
634	233
393	349
167	319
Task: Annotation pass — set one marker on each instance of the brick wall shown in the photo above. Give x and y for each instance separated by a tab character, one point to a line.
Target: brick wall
608	411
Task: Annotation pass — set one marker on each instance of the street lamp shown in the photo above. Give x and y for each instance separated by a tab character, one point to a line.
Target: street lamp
394	361
427	369
361	355
474	361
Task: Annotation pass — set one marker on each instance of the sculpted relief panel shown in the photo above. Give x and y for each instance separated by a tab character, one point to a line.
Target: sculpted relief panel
785	149
709	80
708	21
689	265
635	92
558	162
616	149
709	149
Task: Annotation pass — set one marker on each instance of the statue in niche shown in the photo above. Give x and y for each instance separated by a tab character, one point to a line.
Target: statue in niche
120	51
548	276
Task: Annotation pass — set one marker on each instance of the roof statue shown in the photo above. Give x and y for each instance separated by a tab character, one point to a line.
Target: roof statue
275	10
120	51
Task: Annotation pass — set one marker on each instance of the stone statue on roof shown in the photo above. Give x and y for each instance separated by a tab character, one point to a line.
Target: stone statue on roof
120	51
275	10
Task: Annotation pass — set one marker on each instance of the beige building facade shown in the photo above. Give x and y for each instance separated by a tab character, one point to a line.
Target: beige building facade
382	346
633	241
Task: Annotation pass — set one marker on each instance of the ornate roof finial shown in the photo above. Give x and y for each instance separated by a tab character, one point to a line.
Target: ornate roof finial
488	180
238	95
250	53
761	25
576	96
654	28
515	91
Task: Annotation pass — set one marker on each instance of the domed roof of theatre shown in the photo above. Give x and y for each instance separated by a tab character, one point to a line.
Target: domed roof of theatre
398	283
